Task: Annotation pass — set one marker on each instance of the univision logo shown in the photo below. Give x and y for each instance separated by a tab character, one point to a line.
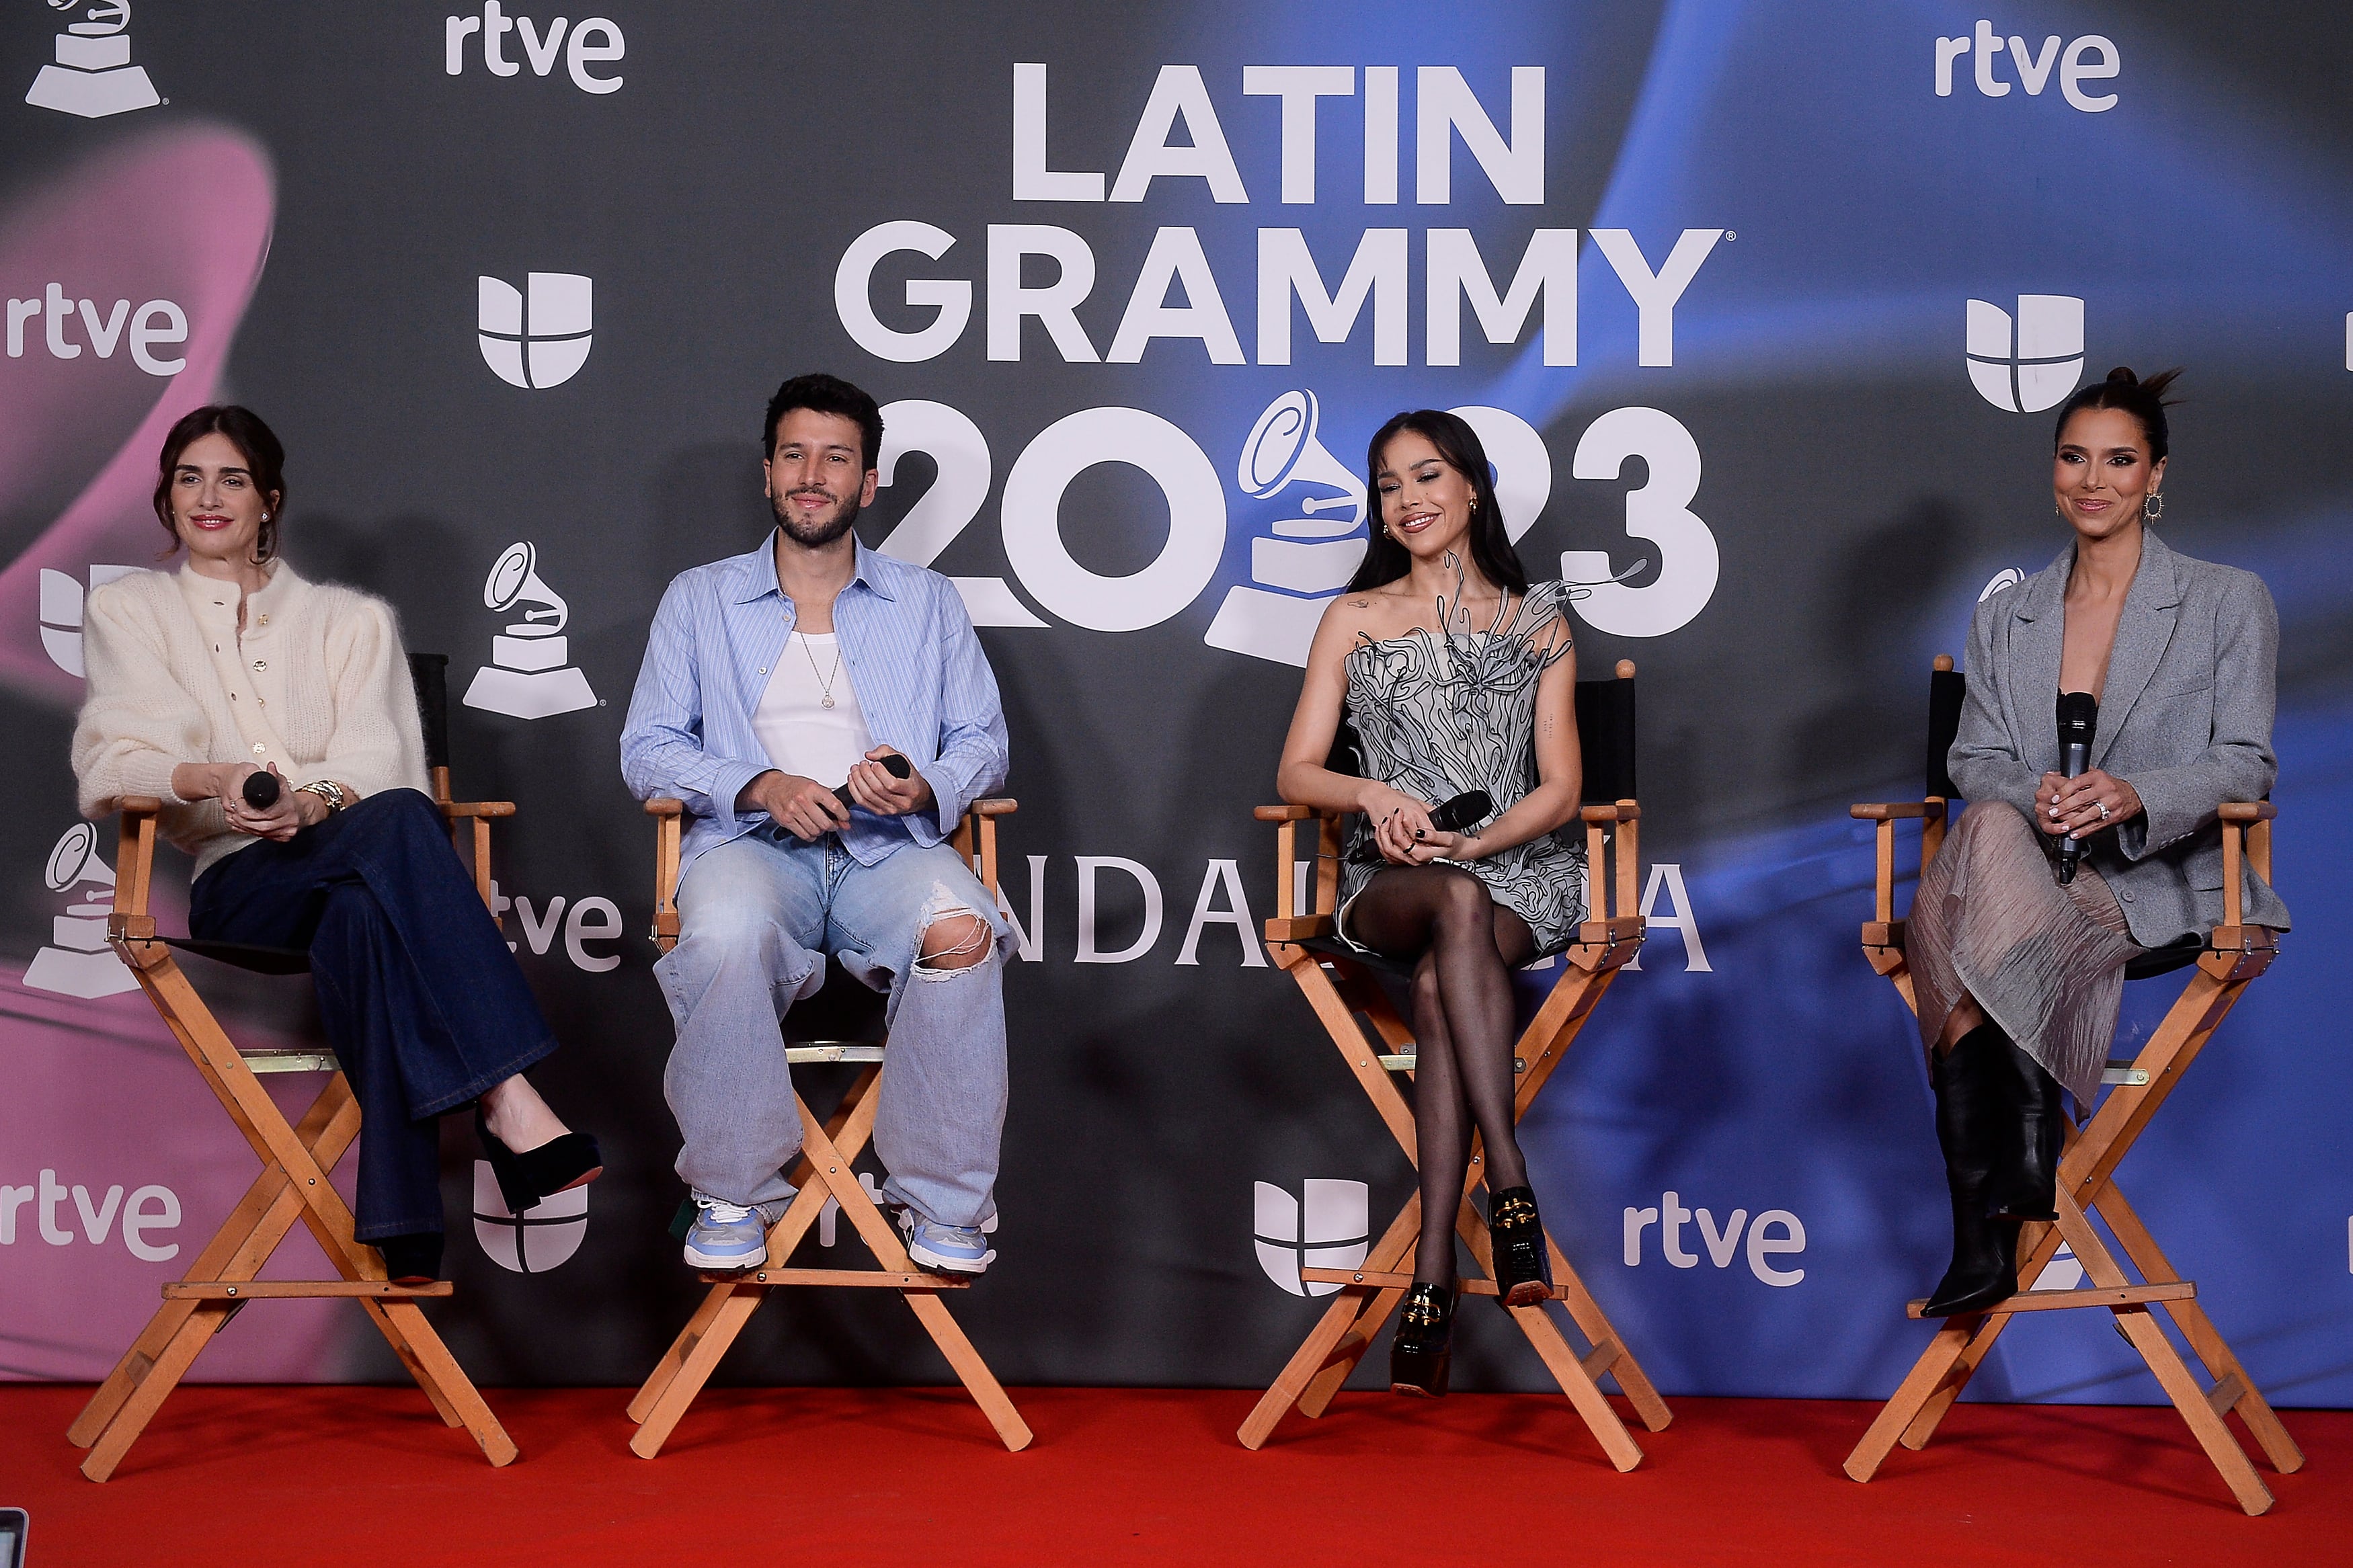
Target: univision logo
93	76
541	1238
1330	1229
61	600
2033	363
538	336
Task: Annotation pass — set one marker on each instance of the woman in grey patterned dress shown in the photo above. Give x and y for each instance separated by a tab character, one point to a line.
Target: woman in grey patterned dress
1457	676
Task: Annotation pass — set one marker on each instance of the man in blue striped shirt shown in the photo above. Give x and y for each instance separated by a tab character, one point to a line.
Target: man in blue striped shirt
826	716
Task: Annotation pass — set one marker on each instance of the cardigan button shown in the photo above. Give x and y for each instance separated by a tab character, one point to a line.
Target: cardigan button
261	664
259	748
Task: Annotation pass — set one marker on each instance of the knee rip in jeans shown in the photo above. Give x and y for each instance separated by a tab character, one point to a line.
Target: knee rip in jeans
954	939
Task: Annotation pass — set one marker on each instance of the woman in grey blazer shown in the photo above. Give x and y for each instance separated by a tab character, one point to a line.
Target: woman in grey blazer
2019	975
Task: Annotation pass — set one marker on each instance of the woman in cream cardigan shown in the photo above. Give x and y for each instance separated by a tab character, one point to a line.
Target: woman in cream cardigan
234	664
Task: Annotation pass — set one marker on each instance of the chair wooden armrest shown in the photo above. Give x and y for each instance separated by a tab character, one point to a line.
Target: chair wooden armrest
975	836
2246	834
1897	810
668	819
134	869
1605	929
1884	931
455	810
1291	924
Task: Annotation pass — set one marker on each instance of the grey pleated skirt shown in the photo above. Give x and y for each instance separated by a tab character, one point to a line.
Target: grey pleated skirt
2045	962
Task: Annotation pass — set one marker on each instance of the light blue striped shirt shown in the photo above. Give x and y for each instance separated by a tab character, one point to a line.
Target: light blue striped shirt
908	647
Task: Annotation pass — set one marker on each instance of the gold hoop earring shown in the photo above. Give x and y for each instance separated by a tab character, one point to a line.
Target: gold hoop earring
2152	508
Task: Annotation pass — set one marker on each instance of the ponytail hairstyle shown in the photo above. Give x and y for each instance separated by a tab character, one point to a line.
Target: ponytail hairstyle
2144	400
1385	560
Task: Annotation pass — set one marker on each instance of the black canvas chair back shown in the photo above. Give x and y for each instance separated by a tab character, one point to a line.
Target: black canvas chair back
429	673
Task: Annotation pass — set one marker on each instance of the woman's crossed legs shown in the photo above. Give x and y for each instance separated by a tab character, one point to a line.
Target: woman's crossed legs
1463	946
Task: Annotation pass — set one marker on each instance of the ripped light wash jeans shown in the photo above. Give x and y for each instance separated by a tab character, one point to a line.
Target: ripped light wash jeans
757	916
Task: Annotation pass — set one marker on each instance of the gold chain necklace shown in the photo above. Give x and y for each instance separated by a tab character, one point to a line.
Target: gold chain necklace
826	700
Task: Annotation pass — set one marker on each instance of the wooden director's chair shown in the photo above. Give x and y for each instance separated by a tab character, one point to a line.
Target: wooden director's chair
841	1023
2226	960
295	1159
1343	984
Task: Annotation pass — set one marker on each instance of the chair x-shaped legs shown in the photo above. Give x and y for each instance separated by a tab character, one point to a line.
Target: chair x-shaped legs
292	1185
2235	956
1339	988
824	1170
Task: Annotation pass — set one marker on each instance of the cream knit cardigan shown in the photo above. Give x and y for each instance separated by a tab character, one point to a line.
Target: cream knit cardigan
349	711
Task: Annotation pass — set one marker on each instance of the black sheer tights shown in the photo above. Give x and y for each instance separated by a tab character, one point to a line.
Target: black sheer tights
1463	947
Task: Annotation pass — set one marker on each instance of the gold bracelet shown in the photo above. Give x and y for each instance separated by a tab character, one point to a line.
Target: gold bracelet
326	790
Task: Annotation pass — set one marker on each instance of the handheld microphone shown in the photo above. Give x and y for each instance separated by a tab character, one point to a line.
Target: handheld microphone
1470	807
261	790
2079	717
897	766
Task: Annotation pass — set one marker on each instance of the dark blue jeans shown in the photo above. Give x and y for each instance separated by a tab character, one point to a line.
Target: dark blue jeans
421	999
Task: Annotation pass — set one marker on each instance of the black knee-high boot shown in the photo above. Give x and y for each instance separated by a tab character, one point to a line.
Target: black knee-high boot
1977	1127
2026	1177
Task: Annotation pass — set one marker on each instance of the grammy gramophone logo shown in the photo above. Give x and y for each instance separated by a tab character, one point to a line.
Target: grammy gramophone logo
92	75
1311	554
530	674
78	962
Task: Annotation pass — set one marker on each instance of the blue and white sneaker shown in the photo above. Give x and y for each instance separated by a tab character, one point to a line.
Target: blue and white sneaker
725	1236
954	1249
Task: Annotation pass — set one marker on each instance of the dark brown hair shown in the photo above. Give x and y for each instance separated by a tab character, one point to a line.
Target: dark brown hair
2144	400
265	459
823	394
1385	560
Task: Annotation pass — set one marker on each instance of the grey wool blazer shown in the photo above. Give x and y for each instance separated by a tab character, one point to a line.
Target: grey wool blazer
2185	719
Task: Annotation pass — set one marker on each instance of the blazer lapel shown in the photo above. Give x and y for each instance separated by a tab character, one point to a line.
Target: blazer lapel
2036	641
2142	632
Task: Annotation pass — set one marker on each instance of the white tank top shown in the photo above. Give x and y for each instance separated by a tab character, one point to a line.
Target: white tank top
800	732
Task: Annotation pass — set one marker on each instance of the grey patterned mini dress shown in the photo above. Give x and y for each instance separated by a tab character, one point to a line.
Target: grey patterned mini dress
1439	714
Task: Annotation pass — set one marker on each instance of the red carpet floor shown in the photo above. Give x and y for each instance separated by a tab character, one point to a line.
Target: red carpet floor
366	1476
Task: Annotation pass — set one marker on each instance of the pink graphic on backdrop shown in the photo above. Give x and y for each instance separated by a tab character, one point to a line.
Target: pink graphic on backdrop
104	1114
182	215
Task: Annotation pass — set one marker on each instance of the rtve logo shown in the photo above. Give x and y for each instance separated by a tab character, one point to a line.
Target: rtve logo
1722	1244
2074	62
539	49
535	337
2033	363
55	312
93	76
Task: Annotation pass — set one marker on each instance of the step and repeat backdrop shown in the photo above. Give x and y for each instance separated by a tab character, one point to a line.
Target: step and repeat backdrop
1761	309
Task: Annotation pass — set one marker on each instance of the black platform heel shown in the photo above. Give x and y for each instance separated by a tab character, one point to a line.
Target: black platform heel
527	1179
1423	1350
1523	1262
1975	1126
411	1259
